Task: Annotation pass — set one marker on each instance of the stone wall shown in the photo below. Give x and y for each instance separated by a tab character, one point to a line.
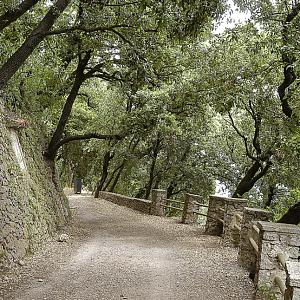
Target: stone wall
141	205
277	239
32	206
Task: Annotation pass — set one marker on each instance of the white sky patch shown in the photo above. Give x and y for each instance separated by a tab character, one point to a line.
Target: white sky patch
231	18
221	189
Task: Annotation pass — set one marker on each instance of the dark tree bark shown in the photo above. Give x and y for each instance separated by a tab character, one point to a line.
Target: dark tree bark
112	176
116	180
13	64
87	136
156	149
108	156
292	216
271	194
79	79
253	174
288	61
170	188
15	13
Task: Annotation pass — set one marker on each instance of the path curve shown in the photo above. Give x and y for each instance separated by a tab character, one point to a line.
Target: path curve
117	253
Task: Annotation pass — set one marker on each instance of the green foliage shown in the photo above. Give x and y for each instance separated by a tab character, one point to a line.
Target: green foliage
166	84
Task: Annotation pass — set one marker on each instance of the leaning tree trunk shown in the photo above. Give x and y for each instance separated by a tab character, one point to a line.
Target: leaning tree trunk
106	160
13	64
116	180
57	136
292	216
15	13
152	169
246	184
254	173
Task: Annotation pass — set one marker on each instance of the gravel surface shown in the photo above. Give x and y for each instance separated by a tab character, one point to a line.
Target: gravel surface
112	252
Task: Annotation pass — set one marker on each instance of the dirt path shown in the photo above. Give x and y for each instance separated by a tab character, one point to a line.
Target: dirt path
117	253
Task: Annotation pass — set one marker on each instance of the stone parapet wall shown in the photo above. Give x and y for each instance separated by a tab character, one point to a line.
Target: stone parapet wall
158	199
247	255
293	280
233	206
215	215
141	205
274	239
190	206
32	205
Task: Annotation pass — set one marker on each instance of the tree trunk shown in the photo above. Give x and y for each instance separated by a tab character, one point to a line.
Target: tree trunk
292	216
13	64
111	177
15	13
106	159
271	194
246	183
156	150
250	178
170	188
116	180
57	136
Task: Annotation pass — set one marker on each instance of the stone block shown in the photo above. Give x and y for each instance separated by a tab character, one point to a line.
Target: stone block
158	199
293	273
190	206
215	215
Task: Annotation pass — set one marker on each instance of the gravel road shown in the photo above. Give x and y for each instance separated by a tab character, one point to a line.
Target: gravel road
117	253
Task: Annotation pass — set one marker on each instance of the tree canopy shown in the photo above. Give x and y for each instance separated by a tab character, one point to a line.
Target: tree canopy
136	95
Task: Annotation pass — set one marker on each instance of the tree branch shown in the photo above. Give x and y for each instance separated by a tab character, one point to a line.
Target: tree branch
87	136
243	137
87	30
15	13
288	60
257	122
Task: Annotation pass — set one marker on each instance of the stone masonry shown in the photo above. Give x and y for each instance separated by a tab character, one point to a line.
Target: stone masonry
276	238
231	233
158	198
32	206
293	280
141	205
190	206
215	213
247	255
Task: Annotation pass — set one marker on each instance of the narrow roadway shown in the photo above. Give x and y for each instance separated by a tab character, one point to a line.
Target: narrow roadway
117	253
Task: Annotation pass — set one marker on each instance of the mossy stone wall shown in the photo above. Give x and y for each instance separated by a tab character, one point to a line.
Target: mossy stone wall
32	205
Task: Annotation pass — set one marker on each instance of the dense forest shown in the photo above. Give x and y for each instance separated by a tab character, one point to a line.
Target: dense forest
136	95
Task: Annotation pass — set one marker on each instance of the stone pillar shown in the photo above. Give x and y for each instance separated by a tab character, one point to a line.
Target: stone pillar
190	205
247	255
158	198
215	213
275	238
293	280
231	233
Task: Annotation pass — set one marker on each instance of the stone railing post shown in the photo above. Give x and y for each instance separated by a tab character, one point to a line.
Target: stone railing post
158	198
247	255
293	280
190	205
215	215
275	238
231	233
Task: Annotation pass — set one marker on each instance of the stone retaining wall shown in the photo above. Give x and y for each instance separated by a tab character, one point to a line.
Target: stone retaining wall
32	206
141	205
